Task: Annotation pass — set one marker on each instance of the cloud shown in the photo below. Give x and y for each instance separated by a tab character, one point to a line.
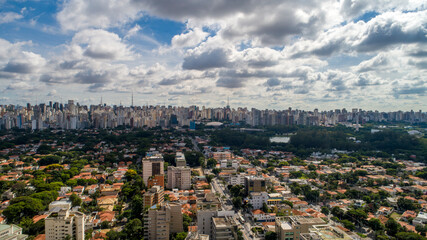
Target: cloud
379	33
373	64
412	90
7	17
230	82
80	14
20	86
272	82
101	44
190	39
215	58
27	62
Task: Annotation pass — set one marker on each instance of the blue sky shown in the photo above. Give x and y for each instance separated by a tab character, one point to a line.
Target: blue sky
265	54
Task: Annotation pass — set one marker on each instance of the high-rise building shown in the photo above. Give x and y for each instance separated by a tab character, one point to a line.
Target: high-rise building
152	166
154	196
62	223
161	220
224	228
179	177
255	184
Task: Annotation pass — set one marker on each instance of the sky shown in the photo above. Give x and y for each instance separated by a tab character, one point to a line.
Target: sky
272	54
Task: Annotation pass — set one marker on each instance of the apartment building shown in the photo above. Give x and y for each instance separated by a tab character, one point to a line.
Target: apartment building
62	223
224	228
162	220
152	166
153	196
291	228
179	177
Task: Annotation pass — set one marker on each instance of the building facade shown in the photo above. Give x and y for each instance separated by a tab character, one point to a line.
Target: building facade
63	222
179	177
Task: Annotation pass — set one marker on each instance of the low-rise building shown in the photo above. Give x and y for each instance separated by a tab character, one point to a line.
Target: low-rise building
288	228
11	232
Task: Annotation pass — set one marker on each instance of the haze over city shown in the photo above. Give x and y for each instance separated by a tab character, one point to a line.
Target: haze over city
264	54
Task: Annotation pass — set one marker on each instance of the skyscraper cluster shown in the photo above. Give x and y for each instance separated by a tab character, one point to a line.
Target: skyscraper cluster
75	116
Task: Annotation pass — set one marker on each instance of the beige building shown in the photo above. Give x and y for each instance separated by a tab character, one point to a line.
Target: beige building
154	196
291	228
223	228
179	177
180	159
162	220
152	166
63	222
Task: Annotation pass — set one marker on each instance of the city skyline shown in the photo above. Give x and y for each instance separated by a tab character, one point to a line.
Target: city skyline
266	55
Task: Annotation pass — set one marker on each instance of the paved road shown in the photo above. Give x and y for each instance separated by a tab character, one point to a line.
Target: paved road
195	145
246	229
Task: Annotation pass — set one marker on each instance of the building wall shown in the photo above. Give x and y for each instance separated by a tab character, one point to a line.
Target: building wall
179	177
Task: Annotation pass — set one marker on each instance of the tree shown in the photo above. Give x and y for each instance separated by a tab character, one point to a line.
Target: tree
295	174
325	210
392	227
270	235
409	236
186	220
105	225
130	174
265	208
375	224
421	229
312	167
237	190
44	149
137	207
406	204
75	200
133	230
113	235
216	171
289	203
347	224
337	212
181	236
211	163
237	202
22	206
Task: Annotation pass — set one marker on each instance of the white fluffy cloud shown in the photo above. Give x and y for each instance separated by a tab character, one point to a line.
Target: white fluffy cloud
101	44
6	17
283	51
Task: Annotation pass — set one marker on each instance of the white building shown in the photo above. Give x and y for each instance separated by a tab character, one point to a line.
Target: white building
63	222
227	163
237	179
257	199
11	232
421	219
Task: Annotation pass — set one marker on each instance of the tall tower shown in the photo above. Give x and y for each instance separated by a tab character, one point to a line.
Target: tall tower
132	100
228	102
